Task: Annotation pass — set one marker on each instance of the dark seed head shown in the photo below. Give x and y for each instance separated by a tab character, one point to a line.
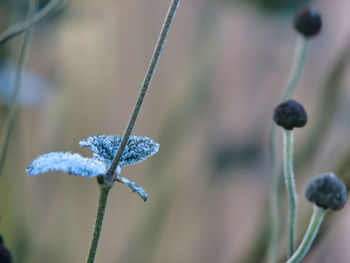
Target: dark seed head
5	255
290	114
308	21
326	191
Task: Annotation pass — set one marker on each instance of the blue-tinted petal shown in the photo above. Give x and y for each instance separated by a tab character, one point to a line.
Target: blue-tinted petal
134	187
105	147
66	162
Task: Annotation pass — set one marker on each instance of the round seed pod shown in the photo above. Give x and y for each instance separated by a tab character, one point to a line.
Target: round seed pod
326	191
290	114
5	255
308	21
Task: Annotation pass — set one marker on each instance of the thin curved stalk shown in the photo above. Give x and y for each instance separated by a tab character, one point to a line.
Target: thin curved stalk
104	192
144	87
290	186
274	199
310	235
17	29
291	83
109	176
13	106
297	66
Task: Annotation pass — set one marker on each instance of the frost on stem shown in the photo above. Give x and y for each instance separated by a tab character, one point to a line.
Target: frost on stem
326	191
67	162
105	147
290	114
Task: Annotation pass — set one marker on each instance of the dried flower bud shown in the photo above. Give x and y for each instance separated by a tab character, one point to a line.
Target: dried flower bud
290	114
326	191
308	21
5	254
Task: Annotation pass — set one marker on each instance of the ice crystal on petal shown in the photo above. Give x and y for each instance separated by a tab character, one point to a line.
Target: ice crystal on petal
105	147
66	162
134	187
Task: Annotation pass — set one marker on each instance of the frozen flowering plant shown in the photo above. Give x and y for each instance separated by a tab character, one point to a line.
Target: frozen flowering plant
110	153
104	147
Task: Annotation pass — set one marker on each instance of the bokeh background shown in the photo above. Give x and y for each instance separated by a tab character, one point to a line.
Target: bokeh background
209	106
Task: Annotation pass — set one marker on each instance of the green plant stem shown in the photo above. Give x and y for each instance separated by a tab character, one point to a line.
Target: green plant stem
310	235
292	80
274	200
109	176
144	87
104	192
297	66
13	106
290	186
11	32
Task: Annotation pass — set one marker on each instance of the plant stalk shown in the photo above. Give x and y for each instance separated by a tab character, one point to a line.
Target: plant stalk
310	235
290	186
293	78
104	192
11	32
144	87
297	66
109	176
275	224
19	70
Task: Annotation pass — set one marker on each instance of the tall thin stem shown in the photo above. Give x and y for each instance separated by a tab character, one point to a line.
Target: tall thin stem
275	223
297	66
109	176
291	83
13	106
144	87
290	186
104	192
310	235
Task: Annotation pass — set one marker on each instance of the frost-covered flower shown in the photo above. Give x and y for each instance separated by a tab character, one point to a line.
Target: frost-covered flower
104	148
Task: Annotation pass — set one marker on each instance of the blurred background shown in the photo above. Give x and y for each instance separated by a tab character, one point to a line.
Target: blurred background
209	106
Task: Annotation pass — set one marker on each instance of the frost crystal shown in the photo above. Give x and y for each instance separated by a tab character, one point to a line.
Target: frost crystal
66	162
134	187
105	147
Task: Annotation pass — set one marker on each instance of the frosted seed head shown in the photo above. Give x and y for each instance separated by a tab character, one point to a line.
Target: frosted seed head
326	191
290	114
308	21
